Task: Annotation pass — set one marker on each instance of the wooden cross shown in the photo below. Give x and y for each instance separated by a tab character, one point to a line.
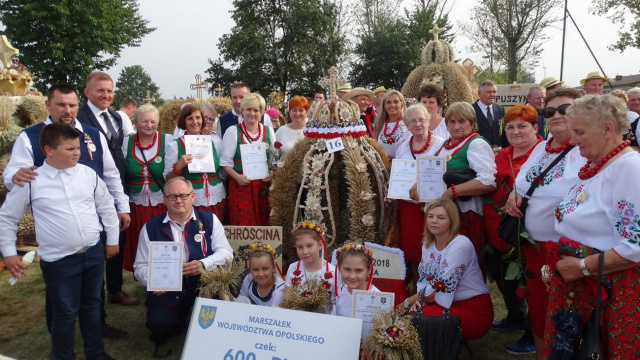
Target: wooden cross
198	86
471	69
332	82
7	52
149	99
219	90
435	31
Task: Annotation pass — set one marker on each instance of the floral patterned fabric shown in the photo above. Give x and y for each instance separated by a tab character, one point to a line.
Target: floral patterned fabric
391	143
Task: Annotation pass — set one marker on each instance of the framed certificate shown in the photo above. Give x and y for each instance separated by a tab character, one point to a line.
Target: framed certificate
403	176
165	266
430	173
201	148
366	304
254	160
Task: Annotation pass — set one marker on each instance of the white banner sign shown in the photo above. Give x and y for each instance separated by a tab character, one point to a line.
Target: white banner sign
251	332
388	262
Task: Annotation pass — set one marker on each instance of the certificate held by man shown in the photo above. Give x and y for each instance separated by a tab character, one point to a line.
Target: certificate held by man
201	148
165	266
403	176
254	161
430	173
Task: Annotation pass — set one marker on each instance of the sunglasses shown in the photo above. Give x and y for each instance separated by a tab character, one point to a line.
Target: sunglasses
548	112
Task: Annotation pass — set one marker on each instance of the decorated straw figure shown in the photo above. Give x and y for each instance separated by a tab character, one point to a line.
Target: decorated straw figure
439	67
31	110
342	190
392	338
219	282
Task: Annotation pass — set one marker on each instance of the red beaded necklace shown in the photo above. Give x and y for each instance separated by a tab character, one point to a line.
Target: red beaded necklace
556	150
246	132
448	145
136	140
422	149
586	173
384	130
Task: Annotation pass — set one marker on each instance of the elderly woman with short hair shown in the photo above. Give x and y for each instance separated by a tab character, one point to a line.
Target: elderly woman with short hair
388	128
248	199
145	159
598	214
209	118
432	97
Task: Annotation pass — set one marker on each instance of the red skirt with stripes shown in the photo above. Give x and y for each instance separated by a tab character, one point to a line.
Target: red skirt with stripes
249	205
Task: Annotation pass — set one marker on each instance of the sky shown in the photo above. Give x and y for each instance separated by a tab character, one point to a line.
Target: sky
187	37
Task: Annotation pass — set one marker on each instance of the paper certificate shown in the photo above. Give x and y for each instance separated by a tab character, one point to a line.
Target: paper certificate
201	148
403	176
165	266
254	161
430	173
366	304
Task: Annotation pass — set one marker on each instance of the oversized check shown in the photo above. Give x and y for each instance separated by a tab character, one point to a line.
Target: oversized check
367	304
200	147
254	161
165	266
251	332
403	176
430	173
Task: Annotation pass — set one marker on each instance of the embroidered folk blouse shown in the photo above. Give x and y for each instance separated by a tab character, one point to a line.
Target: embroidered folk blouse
274	298
391	143
453	273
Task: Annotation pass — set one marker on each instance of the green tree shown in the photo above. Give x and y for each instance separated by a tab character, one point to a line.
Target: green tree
392	51
283	45
510	32
501	76
63	41
133	82
626	13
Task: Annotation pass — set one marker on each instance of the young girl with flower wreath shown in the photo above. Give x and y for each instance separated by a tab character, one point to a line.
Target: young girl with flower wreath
264	285
355	263
308	239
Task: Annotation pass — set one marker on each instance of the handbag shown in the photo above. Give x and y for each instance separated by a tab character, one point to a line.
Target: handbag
590	346
457	177
439	335
509	228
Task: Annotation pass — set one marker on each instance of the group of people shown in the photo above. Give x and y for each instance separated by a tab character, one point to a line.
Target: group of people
567	154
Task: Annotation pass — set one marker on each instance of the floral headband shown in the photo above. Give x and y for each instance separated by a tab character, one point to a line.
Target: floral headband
258	246
356	247
311	226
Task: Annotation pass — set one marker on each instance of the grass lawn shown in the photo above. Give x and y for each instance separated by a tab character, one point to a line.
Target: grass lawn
24	334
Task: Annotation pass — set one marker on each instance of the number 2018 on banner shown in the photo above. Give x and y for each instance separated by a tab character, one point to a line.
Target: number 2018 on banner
241	355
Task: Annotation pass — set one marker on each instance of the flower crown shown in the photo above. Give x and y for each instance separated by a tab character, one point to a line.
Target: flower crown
357	247
258	246
309	225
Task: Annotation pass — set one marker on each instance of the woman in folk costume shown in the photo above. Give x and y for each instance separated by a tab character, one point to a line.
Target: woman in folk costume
144	164
389	129
248	199
208	188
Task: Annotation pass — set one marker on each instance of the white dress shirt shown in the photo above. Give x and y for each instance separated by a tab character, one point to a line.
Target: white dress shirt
70	208
98	114
22	157
220	247
127	126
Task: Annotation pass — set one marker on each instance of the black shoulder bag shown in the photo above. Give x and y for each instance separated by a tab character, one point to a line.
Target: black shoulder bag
591	342
439	335
509	226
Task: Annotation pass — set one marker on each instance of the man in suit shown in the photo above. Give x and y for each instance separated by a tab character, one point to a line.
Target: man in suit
95	112
238	92
489	115
535	98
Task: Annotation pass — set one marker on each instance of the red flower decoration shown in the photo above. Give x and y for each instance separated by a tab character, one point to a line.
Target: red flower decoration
277	145
328	275
306	294
557	213
521	292
440	286
326	285
295	281
297	272
430	278
393	331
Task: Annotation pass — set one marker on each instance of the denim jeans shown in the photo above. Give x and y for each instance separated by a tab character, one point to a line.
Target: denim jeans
73	286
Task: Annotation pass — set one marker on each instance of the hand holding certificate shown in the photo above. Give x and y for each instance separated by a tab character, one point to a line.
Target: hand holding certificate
403	176
254	160
165	266
430	173
366	304
201	148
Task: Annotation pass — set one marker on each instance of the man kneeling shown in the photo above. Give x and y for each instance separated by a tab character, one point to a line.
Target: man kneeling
201	236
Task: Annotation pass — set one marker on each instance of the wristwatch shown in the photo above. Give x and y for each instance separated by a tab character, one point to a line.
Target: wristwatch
584	268
406	304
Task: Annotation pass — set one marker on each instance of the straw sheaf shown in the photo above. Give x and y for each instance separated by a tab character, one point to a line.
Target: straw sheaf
31	110
4	159
8	137
168	113
7	109
219	281
379	345
282	196
309	296
381	165
361	200
26	227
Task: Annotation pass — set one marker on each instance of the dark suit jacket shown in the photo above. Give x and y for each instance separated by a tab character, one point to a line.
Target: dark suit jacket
228	120
85	116
491	132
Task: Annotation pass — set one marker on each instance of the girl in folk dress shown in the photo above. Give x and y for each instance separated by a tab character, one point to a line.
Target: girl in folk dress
355	262
264	284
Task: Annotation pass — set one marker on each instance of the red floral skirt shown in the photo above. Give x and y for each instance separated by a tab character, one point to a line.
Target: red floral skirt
537	294
139	216
476	315
249	205
620	310
411	219
220	209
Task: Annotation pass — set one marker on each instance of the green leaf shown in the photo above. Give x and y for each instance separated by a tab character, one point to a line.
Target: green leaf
513	271
525	235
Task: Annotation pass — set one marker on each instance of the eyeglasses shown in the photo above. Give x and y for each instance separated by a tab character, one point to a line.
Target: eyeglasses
548	112
416	121
208	118
178	196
